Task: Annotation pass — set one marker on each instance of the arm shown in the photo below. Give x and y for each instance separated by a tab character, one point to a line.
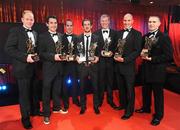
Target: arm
11	47
137	48
167	54
43	50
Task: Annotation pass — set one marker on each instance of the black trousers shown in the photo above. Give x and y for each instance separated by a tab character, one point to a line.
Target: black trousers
106	76
125	84
157	89
71	71
54	83
91	71
28	97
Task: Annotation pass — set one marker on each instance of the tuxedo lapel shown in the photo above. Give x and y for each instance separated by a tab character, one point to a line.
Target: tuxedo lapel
50	38
129	34
110	33
24	33
101	36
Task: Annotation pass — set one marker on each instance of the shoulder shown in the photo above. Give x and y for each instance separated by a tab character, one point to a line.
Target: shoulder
42	35
136	31
113	31
95	36
15	29
60	34
97	31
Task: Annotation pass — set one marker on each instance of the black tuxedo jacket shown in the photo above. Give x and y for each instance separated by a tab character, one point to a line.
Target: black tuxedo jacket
16	47
113	36
70	67
66	42
47	51
132	49
162	53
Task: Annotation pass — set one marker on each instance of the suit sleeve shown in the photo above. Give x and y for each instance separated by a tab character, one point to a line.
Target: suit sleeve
98	50
137	48
167	54
43	50
11	47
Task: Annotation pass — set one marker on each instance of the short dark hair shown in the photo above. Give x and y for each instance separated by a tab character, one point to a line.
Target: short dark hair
159	18
86	19
51	16
68	20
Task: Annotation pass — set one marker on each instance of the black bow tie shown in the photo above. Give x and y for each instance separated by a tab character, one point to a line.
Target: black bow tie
69	35
28	30
54	34
127	30
152	33
105	31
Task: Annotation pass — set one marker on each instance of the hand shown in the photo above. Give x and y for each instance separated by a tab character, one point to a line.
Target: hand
77	58
57	58
119	59
96	60
111	53
29	58
146	58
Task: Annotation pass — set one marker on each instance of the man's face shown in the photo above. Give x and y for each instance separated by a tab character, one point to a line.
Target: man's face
69	27
104	22
52	24
127	21
28	20
87	26
153	23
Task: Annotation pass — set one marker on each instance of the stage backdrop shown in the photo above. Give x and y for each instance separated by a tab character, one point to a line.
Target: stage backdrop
10	11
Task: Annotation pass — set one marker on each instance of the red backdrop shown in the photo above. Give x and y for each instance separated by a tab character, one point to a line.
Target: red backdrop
10	11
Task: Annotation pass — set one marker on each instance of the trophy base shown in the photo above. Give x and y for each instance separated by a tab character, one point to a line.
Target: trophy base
70	57
35	57
82	59
91	58
117	55
106	53
62	57
144	53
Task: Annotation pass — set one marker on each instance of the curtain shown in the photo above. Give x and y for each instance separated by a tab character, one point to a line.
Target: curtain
174	34
77	10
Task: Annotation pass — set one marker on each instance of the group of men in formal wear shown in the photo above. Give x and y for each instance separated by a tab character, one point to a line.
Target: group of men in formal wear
101	55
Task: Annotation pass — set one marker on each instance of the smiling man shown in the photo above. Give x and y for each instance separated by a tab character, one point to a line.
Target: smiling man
70	66
154	69
88	67
24	65
49	47
125	65
106	62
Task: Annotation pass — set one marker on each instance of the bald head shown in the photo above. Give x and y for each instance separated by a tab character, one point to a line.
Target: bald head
128	21
128	15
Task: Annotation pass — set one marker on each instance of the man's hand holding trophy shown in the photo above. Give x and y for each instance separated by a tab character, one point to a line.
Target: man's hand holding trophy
32	55
105	52
70	56
59	51
146	51
119	50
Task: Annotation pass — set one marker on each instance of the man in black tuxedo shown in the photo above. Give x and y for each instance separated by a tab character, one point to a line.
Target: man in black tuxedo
154	64
87	57
21	46
106	62
51	52
125	65
70	67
